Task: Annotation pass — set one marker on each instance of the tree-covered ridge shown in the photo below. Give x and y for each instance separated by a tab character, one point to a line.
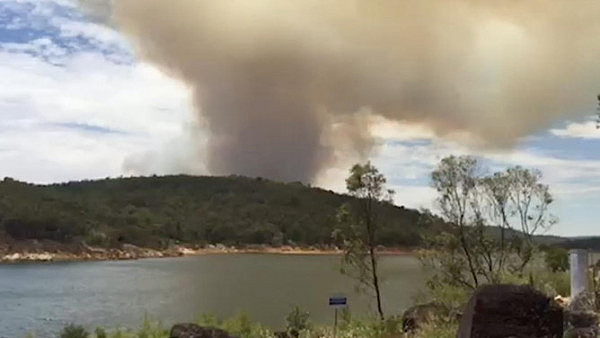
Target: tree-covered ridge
157	211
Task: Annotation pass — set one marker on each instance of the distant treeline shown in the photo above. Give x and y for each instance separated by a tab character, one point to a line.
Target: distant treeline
159	211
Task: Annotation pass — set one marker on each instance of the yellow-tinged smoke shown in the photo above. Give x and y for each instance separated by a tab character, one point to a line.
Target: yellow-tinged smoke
271	78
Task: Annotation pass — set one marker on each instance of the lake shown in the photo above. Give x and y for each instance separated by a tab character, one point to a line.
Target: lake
42	298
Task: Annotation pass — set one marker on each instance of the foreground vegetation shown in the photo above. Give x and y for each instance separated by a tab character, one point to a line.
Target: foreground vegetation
241	326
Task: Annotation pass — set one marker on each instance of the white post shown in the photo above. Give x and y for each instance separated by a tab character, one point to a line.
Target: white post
578	261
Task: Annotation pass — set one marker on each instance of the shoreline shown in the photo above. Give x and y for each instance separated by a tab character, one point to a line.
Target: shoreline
294	251
131	252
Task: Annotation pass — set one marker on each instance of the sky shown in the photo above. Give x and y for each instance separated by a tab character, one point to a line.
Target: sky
76	102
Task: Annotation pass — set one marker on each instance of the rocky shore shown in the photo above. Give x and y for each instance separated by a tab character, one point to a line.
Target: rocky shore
47	251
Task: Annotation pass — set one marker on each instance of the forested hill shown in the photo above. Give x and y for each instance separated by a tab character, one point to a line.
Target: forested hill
158	211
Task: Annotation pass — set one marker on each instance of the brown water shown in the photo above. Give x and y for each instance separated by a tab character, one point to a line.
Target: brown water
42	298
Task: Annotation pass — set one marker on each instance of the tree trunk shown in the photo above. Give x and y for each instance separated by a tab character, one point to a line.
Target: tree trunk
376	281
371	242
463	241
465	248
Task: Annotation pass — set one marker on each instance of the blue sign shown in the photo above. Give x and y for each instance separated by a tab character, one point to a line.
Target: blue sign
338	301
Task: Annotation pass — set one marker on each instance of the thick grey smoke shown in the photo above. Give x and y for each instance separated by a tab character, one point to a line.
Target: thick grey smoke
272	78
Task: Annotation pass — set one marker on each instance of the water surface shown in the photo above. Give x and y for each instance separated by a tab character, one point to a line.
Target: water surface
42	298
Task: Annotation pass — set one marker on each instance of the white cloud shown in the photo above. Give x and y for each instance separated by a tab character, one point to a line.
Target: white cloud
33	14
586	130
415	197
408	164
557	171
43	47
88	89
102	36
45	154
397	131
411	196
84	116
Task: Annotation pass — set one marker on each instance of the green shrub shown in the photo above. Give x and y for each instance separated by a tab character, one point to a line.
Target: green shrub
297	320
209	320
390	328
453	297
74	331
557	259
120	334
541	277
438	329
100	333
554	283
151	329
391	325
239	325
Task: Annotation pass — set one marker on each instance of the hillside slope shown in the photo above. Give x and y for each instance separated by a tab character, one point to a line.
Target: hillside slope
159	211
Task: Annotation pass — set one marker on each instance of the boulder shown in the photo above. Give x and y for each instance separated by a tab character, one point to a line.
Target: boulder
582	302
579	332
416	316
188	330
518	311
581	318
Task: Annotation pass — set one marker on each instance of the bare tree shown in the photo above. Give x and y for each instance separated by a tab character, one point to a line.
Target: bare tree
529	201
494	219
455	179
358	224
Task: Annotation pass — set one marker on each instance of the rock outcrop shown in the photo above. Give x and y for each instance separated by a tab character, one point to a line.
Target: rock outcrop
47	250
519	311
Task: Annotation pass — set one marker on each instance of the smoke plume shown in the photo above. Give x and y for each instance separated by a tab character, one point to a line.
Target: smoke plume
281	84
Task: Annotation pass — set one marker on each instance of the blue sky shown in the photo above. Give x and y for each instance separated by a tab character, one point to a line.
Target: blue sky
76	103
